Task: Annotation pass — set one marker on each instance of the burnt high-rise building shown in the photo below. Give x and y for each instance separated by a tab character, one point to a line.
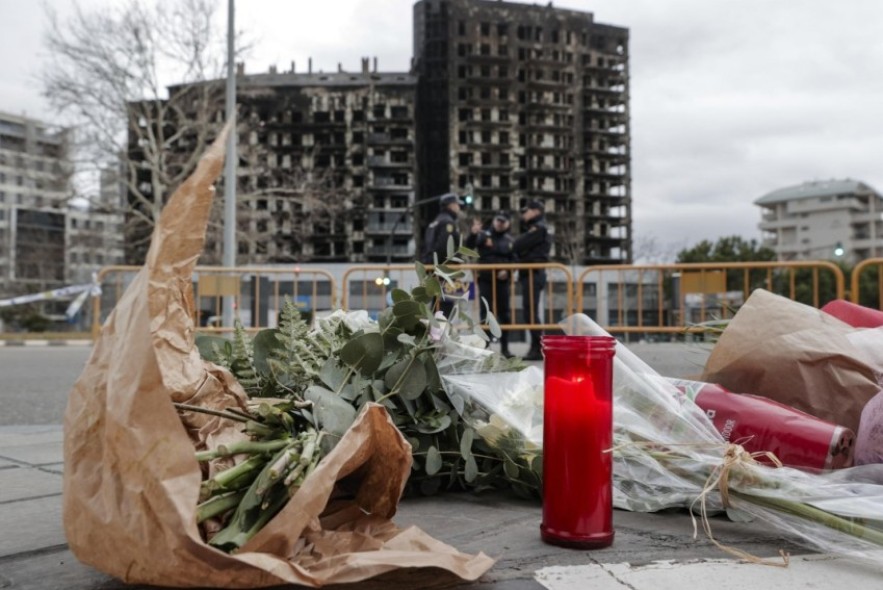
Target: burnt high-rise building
526	101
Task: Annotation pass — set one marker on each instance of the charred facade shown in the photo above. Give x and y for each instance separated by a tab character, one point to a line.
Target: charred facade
528	102
516	101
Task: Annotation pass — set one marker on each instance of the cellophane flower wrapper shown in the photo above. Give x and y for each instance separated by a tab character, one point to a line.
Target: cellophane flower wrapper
666	448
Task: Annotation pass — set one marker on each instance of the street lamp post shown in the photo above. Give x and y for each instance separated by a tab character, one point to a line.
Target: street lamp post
230	165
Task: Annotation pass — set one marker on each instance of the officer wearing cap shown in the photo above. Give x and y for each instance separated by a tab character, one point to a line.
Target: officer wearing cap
495	245
533	245
435	240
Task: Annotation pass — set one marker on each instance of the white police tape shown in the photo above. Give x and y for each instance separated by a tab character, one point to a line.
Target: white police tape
81	291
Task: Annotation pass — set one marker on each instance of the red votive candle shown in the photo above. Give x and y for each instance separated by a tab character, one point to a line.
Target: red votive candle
577	436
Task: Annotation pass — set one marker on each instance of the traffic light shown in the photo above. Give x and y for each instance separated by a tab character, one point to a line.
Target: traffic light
467	195
838	250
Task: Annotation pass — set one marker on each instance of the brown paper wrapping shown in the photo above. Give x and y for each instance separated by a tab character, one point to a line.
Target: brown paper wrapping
131	480
796	355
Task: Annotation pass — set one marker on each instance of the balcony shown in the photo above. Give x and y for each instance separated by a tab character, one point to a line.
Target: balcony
388	183
387	139
382	162
385	228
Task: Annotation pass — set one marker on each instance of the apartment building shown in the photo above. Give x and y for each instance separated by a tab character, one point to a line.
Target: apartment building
823	219
511	101
326	167
527	101
45	242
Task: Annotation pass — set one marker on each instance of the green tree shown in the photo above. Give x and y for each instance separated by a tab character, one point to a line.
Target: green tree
727	249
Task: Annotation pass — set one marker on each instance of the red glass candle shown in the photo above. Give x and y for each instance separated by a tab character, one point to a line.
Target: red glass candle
577	430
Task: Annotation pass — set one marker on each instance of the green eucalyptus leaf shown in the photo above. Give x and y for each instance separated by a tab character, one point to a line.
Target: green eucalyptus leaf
407	314
388	361
421	294
421	271
400	295
458	402
407	378
407	339
467	252
410	407
349	392
536	466
433	461
434	425
470	470
433	288
439	404
511	469
451	247
265	344
332	374
333	414
433	379
206	343
466	443
363	353
494	326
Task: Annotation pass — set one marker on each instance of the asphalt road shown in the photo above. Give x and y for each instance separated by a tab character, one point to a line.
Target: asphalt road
35	381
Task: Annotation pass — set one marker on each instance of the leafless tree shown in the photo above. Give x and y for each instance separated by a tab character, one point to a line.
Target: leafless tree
568	240
109	70
316	204
648	250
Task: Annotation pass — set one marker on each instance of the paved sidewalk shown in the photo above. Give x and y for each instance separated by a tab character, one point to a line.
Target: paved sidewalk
651	551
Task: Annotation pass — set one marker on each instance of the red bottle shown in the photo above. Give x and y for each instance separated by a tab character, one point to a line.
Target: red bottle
577	436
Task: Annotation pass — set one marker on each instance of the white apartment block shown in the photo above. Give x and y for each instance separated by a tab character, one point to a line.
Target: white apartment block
813	220
45	242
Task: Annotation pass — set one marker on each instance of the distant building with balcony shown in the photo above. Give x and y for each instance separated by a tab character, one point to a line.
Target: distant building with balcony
326	170
810	221
517	101
46	242
529	101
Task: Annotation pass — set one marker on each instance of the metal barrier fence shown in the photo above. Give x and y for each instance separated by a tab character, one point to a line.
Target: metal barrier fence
669	298
866	284
258	293
369	288
676	298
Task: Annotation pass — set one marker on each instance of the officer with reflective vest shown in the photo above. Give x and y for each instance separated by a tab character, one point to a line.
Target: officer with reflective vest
533	245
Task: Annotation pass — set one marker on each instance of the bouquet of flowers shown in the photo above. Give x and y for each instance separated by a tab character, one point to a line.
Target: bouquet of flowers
668	454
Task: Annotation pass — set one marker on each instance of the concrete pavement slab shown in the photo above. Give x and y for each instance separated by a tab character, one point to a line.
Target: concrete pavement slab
808	571
21	483
48	453
31	525
53	568
17	436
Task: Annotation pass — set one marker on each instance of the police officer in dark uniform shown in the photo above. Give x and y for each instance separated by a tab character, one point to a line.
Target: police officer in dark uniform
495	246
435	240
533	245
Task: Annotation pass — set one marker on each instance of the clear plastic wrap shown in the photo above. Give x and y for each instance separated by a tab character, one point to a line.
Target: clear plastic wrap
668	454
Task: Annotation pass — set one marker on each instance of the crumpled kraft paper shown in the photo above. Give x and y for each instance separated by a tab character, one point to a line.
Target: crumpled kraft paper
131	481
796	355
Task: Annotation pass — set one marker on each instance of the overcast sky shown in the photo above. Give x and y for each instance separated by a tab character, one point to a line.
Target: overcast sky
730	100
